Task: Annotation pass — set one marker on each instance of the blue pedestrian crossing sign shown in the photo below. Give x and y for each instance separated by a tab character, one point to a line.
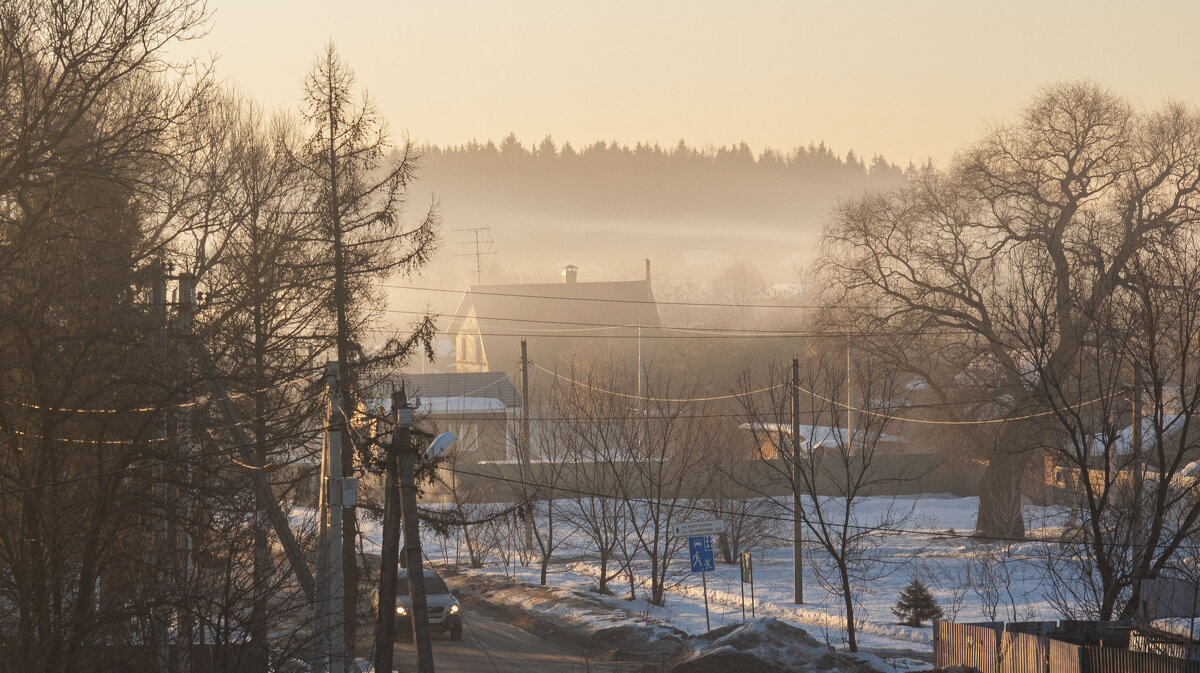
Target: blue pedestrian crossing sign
700	550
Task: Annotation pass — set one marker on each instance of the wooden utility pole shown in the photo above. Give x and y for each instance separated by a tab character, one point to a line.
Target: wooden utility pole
385	619
412	551
527	506
332	516
186	309
161	558
797	505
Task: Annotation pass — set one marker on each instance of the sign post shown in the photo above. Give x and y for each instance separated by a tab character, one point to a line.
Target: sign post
700	551
747	576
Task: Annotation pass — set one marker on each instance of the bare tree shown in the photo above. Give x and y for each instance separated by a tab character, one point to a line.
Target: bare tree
1059	203
258	264
89	134
831	464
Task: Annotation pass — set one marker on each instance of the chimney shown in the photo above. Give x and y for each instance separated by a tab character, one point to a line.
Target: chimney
570	273
647	270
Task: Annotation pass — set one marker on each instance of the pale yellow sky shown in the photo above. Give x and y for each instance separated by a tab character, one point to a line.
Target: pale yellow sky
908	80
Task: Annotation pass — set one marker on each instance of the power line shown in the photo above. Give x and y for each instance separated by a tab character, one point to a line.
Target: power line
579	326
138	410
656	399
518	295
890	415
144	466
789	519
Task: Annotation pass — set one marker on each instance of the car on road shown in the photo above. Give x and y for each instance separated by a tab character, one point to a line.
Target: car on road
445	613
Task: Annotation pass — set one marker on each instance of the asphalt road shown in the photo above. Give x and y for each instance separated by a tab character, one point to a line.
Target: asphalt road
490	645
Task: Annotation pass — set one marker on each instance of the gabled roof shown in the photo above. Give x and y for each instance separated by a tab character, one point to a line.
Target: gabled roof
467	385
549	313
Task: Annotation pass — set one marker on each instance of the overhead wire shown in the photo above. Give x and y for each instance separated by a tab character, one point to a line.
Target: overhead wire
144	466
520	295
712	332
654	399
936	534
891	416
181	405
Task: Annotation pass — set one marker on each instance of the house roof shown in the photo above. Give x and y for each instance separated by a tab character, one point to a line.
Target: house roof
443	406
464	385
547	313
818	435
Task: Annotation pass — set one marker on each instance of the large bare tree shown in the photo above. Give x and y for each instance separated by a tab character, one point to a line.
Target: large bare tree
1019	244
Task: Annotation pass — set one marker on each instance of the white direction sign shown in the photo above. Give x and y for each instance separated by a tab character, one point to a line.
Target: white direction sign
695	528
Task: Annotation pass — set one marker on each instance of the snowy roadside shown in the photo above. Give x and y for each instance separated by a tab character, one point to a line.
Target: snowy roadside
951	563
632	625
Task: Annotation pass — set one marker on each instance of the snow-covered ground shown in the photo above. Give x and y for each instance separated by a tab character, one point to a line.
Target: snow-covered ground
937	550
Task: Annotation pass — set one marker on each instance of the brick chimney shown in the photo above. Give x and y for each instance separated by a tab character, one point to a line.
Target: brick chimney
570	273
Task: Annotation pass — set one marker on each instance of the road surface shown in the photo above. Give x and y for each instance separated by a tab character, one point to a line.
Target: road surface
490	645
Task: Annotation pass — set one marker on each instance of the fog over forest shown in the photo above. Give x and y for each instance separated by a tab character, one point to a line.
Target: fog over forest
605	207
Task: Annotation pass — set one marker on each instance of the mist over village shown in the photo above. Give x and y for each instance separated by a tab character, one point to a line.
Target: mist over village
547	336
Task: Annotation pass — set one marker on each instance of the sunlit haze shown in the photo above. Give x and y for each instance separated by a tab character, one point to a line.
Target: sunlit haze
908	80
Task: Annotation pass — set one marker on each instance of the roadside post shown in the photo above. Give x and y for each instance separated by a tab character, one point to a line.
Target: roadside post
747	576
700	551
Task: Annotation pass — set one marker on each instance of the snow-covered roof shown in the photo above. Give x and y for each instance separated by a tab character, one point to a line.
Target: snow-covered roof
460	405
1122	444
817	435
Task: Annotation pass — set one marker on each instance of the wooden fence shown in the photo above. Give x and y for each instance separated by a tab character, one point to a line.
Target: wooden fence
997	648
973	645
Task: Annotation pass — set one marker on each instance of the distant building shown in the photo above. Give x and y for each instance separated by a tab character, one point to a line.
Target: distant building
557	320
768	437
480	408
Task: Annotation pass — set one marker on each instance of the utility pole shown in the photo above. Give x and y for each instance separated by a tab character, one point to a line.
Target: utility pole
385	620
797	505
641	392
187	307
332	520
1136	449
849	407
412	551
160	555
524	446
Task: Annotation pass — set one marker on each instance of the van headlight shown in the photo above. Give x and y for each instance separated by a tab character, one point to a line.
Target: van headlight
400	610
454	608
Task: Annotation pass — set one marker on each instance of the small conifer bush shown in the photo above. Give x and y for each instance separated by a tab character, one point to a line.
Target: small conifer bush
916	604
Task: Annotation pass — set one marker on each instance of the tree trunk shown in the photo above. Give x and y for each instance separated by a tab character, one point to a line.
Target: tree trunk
851	641
1000	497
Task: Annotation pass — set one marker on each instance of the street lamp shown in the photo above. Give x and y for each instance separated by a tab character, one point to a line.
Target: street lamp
440	444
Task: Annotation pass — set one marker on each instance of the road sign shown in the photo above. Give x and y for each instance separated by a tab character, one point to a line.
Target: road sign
700	551
694	528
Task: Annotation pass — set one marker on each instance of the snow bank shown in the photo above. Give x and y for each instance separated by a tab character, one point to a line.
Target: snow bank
763	644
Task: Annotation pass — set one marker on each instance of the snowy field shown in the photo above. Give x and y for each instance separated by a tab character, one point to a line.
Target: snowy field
971	582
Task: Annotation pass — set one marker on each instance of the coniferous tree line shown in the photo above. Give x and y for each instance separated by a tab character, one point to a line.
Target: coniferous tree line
586	198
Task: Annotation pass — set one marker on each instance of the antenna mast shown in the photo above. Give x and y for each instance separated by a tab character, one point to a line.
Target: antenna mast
480	249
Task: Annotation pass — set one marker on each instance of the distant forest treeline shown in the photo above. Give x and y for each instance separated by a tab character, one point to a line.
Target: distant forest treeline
607	200
814	160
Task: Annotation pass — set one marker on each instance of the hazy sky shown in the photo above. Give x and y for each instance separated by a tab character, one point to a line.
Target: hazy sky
908	80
